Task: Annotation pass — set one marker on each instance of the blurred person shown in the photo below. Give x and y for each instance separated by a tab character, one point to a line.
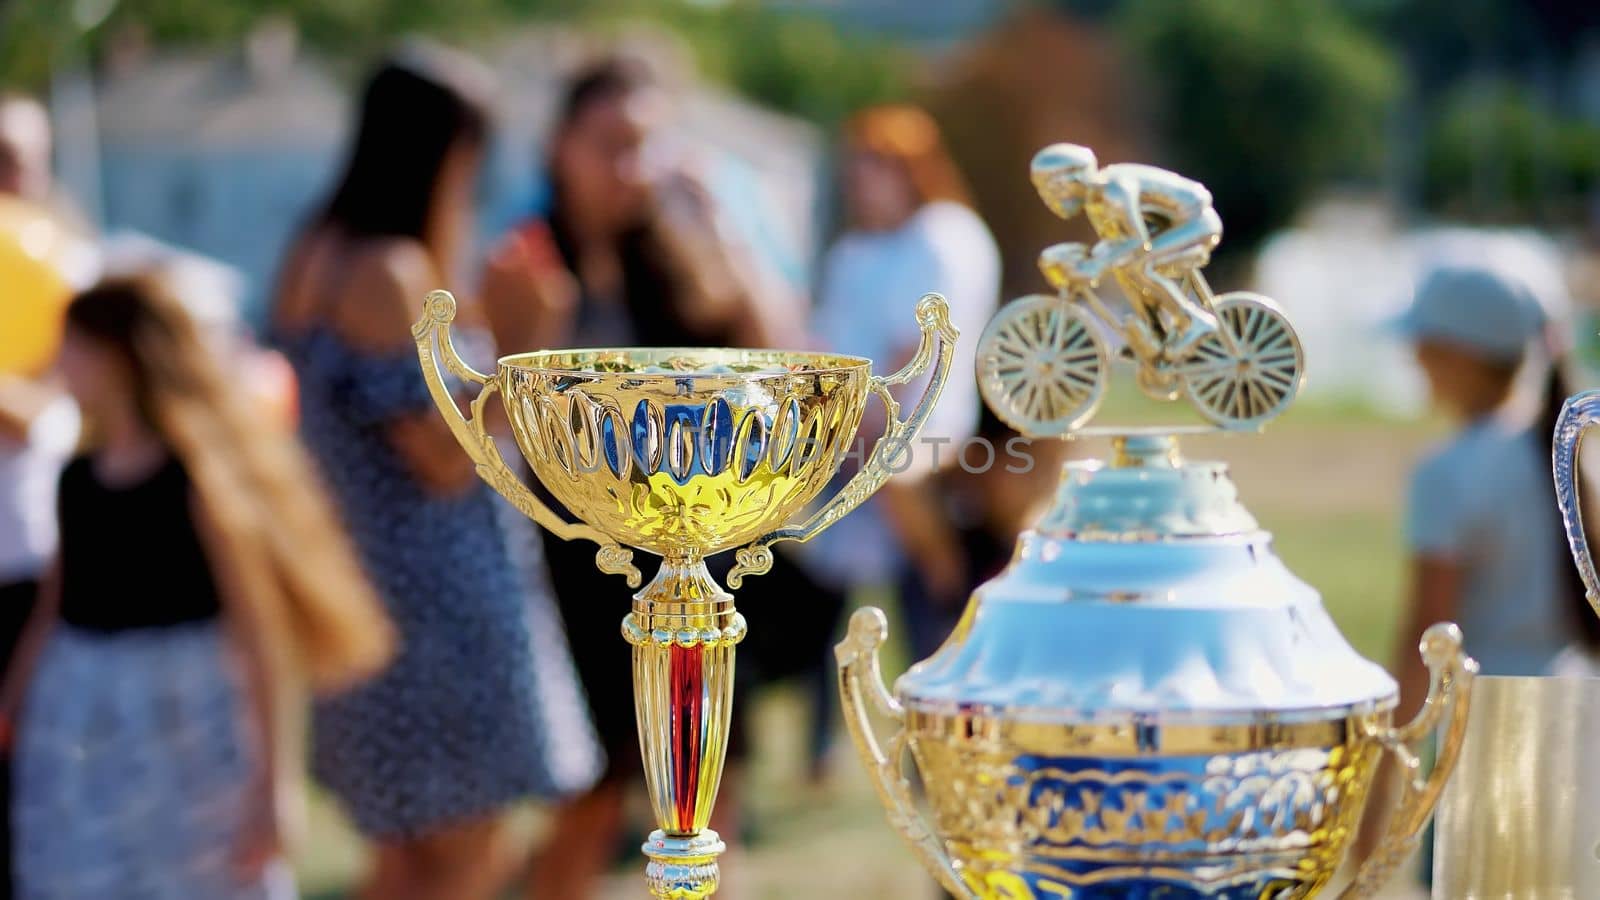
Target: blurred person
212	293
632	247
39	431
1488	549
27	143
38	422
988	497
39	428
181	697
25	149
481	709
630	253
911	230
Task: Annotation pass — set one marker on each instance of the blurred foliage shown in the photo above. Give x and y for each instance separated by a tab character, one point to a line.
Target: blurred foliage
1035	78
1264	101
800	64
795	63
1496	153
1446	40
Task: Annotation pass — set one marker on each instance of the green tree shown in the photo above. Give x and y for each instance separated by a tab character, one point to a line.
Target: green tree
1262	100
1495	153
801	64
793	62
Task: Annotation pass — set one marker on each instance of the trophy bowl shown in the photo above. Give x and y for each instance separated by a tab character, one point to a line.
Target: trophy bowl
683	453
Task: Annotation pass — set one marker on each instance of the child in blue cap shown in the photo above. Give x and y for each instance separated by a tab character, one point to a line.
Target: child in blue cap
1481	524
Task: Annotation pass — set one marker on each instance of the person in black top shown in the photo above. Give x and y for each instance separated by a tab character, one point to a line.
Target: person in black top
108	561
200	581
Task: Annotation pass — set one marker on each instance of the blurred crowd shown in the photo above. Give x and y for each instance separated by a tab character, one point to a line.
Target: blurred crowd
228	559
232	558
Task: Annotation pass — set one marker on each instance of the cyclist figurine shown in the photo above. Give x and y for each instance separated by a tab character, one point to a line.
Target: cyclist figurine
1155	228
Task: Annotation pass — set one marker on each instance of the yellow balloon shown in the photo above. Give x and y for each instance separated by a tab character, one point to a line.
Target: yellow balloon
35	251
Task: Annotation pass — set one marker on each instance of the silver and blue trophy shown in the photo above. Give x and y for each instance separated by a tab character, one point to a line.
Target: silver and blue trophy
1146	702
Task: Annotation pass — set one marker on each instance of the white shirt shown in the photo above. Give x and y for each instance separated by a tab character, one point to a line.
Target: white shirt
1484	500
871	282
29	471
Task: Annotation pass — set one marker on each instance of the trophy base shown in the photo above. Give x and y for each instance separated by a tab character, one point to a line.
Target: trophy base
1094	882
1252	825
683	868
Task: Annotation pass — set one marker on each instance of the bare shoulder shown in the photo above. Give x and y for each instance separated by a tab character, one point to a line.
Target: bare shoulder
294	300
381	293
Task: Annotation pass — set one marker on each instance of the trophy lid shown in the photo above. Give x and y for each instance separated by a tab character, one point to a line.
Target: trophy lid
1147	590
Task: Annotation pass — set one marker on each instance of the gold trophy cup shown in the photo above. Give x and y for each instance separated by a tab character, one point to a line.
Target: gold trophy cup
683	453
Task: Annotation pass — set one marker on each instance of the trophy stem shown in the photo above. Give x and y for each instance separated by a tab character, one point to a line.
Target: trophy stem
683	629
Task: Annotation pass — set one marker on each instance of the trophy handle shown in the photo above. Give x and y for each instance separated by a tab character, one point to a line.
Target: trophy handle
861	688
1450	686
1577	414
938	347
433	330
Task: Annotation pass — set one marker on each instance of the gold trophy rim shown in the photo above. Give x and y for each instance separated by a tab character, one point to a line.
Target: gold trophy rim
531	362
532	375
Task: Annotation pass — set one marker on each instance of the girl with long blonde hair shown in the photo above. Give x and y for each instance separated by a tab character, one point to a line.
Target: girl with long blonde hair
202	586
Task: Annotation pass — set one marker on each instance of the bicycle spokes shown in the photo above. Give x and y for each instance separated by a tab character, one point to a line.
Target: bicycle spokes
1042	366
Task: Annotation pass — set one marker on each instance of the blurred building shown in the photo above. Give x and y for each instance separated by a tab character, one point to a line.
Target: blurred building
219	152
224	152
917	20
1348	269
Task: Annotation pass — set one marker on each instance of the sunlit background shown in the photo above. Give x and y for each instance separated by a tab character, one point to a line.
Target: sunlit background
1347	144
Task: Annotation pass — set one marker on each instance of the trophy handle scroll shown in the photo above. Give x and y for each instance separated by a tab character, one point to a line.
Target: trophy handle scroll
862	691
1449	693
937	348
432	335
1577	414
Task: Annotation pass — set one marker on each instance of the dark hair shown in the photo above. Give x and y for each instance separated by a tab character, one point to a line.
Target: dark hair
658	284
1583	619
297	569
909	137
602	80
416	108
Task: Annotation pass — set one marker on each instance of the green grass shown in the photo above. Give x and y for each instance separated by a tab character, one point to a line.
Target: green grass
1326	481
1355	561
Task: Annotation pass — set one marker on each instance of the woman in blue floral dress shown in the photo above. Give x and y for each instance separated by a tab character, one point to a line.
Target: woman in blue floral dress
481	708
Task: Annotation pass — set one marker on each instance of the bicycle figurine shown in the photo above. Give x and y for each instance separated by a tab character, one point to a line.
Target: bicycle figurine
1043	361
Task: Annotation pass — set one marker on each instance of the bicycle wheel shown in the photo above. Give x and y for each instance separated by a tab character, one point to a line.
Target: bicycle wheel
1042	366
1249	375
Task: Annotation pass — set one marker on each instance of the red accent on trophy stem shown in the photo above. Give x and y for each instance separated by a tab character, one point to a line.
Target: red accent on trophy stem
686	673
